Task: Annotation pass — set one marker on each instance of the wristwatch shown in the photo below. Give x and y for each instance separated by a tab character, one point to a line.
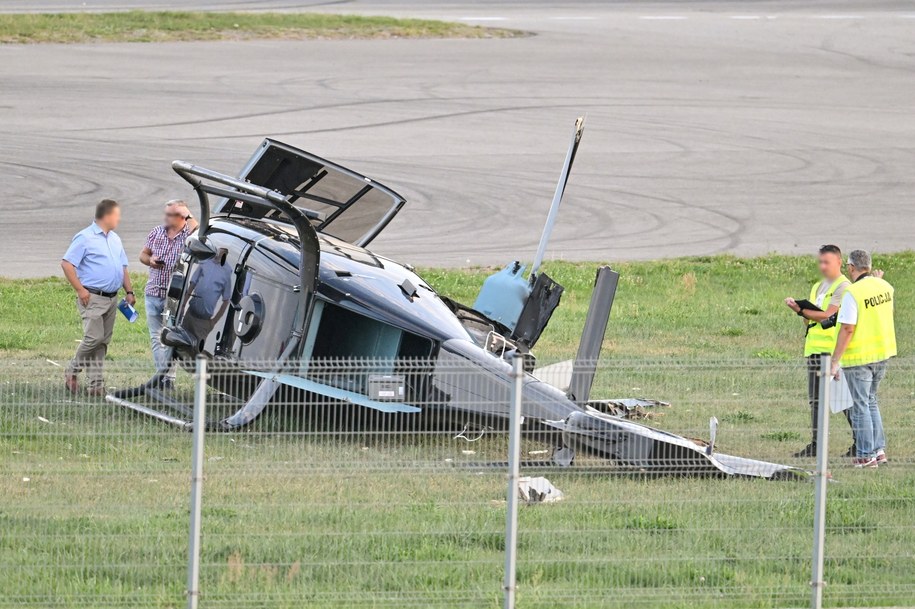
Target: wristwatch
130	293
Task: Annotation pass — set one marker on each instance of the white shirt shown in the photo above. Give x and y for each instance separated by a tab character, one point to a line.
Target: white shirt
848	312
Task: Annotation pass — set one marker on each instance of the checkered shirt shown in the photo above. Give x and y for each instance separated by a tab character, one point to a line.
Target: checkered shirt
168	251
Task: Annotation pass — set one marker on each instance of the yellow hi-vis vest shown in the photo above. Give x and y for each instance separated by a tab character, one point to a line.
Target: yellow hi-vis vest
820	340
874	339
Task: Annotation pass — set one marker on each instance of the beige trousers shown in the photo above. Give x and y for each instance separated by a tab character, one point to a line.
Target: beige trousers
98	326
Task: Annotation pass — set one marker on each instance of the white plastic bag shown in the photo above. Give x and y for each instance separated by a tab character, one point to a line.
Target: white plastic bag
839	394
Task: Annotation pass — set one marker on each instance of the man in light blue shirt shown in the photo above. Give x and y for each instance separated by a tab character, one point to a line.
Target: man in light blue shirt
96	266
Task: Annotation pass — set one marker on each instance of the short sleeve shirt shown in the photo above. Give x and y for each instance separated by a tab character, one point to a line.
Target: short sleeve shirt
848	314
836	299
99	258
168	251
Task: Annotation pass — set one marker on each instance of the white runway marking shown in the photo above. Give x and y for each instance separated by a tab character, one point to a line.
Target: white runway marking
572	18
745	17
838	17
663	17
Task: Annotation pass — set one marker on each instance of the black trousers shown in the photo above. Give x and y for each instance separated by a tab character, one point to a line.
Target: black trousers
813	397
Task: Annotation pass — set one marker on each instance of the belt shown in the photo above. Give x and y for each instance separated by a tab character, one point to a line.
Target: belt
98	292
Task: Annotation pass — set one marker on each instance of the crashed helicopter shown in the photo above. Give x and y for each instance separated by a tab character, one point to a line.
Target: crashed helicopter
279	271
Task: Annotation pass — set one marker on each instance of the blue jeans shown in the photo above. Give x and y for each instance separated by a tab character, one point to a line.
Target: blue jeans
162	355
865	413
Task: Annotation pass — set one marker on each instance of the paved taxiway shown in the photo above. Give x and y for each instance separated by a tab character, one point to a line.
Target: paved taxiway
742	127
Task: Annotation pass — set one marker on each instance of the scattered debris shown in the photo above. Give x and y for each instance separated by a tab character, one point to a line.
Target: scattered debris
479	433
538	490
295	219
629	408
44	420
26	479
468	452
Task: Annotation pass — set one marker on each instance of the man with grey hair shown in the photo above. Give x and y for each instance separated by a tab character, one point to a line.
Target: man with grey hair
164	246
867	339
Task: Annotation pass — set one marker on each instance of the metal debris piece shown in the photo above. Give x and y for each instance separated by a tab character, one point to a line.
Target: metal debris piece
538	490
634	409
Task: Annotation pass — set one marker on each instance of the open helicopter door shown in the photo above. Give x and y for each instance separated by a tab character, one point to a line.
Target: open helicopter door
336	200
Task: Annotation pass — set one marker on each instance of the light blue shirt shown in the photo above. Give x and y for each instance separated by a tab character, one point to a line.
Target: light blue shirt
99	258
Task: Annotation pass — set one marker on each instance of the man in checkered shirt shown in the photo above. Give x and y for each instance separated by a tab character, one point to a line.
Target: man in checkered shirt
163	248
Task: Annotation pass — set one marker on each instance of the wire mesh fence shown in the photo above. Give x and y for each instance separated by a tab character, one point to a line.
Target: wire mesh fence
379	483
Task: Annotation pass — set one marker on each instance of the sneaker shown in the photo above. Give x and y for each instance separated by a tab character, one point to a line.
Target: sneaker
97	391
881	457
808	451
851	452
865	462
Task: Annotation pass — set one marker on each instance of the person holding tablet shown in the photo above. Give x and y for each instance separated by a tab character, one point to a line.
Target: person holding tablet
819	313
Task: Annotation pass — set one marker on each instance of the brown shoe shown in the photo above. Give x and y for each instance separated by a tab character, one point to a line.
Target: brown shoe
97	391
71	381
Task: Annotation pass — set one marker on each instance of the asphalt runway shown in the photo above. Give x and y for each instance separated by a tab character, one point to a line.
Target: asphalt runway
741	127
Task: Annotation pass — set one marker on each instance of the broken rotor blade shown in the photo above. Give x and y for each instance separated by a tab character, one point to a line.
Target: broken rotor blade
557	196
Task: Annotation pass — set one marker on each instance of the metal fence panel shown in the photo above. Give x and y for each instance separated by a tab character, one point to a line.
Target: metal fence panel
318	503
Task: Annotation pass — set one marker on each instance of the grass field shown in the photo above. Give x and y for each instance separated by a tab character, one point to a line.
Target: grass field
326	520
150	26
713	307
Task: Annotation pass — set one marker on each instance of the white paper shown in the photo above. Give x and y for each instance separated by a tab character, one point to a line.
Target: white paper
839	394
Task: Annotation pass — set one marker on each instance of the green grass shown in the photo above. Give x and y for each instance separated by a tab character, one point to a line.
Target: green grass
148	26
294	519
719	307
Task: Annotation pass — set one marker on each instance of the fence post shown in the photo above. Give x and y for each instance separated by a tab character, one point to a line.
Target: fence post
193	563
514	473
817	582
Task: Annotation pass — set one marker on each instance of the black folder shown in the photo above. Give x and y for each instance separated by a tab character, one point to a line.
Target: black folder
808	306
